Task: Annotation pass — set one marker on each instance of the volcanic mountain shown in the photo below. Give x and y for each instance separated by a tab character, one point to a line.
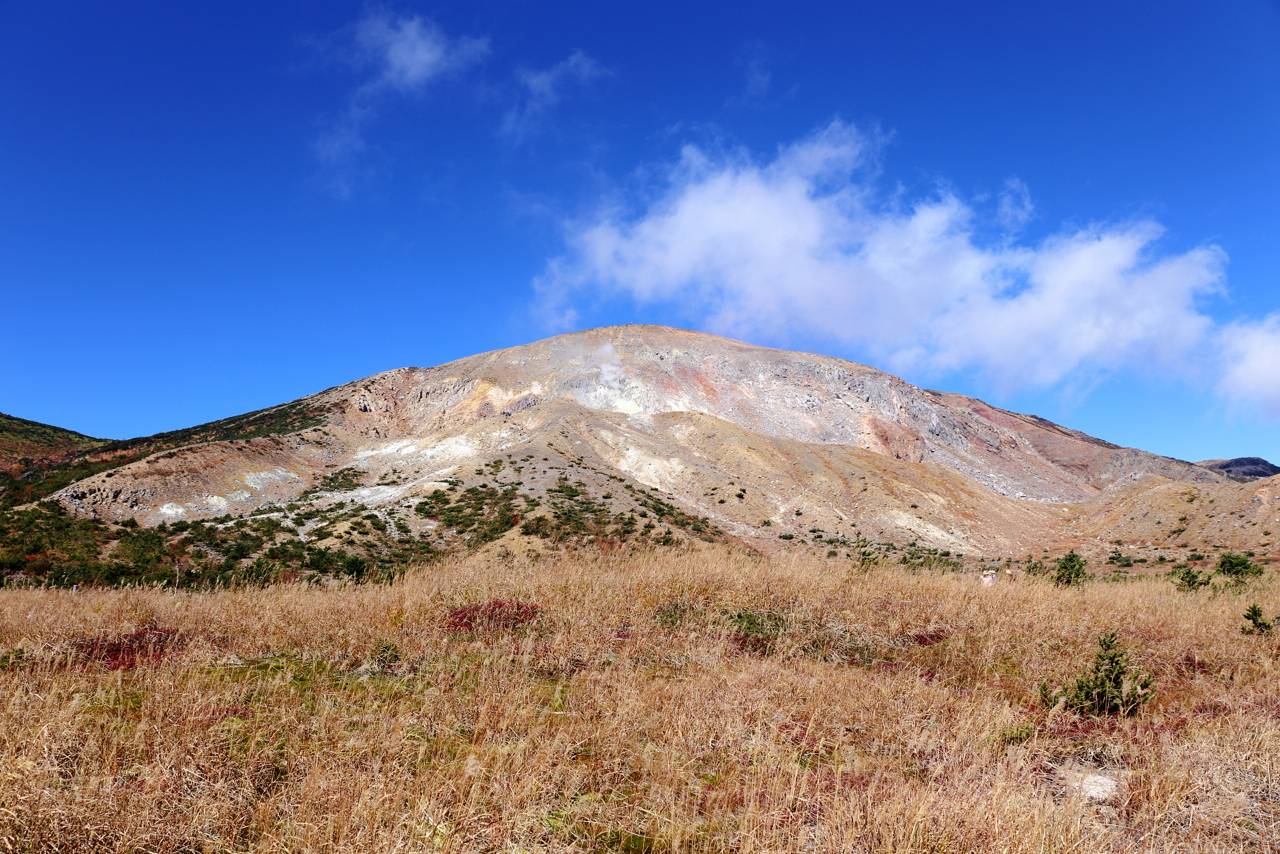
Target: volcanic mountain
639	431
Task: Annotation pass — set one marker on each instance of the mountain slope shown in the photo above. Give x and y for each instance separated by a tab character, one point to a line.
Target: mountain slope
27	445
752	442
23	441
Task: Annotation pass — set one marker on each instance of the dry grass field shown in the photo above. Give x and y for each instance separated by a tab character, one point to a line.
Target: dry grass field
666	701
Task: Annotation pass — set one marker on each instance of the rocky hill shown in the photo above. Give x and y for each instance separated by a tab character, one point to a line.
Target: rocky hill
648	434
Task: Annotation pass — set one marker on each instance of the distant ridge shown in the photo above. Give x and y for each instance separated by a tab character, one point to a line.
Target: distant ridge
18	436
1243	468
24	442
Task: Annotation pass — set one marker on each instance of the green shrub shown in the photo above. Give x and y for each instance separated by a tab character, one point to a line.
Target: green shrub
757	631
1189	580
1070	570
1016	733
142	548
537	526
1255	623
669	615
1117	558
1237	567
1112	686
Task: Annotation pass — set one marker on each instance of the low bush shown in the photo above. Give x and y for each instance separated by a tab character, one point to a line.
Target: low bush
1016	733
1070	570
1189	580
1237	567
1112	686
757	631
1255	623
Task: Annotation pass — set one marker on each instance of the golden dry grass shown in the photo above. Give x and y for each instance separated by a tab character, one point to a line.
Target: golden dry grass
896	712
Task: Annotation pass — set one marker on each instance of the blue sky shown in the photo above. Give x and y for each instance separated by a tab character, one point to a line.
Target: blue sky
1071	210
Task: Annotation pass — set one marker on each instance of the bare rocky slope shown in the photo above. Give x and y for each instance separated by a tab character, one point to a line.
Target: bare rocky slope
673	433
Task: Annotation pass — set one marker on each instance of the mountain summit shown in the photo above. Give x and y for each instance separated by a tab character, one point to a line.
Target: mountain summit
648	429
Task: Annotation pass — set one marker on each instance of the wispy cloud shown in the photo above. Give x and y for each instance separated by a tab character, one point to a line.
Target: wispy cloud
408	52
757	77
541	90
1014	208
1251	364
803	244
394	55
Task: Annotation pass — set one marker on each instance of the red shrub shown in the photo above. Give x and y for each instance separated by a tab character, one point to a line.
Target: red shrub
494	614
752	644
1213	709
125	652
930	636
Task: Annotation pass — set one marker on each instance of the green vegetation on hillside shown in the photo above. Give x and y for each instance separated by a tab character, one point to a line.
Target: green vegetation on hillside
44	544
21	438
26	446
35	478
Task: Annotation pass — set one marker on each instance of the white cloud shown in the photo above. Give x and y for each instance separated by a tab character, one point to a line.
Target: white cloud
395	55
1014	208
542	90
1251	363
803	245
408	52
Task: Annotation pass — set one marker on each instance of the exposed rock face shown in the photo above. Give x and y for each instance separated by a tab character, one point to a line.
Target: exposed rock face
743	435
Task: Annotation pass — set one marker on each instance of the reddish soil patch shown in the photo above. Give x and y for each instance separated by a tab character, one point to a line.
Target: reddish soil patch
752	644
125	652
494	614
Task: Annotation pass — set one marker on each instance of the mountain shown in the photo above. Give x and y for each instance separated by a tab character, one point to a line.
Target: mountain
645	432
1243	468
